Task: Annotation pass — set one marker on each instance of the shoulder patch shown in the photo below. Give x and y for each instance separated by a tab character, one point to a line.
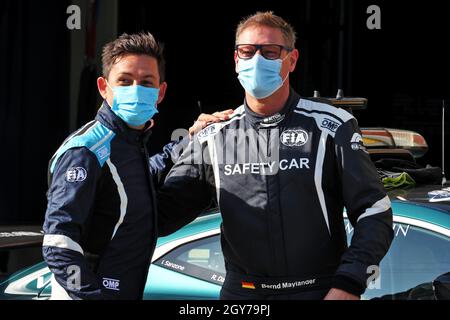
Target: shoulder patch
77	174
313	106
97	139
328	118
209	130
330	124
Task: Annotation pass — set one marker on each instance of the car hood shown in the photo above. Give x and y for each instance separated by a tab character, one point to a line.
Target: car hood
424	195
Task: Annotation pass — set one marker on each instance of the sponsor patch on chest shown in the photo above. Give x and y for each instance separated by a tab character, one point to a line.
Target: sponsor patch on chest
294	138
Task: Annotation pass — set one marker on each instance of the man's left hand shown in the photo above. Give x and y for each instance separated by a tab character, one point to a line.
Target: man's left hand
338	294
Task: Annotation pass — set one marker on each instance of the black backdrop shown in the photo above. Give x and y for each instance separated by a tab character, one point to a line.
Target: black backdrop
401	68
34	105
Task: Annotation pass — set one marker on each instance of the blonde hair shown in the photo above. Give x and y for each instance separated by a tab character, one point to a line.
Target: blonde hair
269	19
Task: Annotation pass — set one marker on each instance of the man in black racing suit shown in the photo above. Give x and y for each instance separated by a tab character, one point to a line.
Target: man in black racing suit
282	170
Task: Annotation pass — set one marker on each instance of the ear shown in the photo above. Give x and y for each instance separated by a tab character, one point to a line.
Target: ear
295	55
236	60
162	92
102	87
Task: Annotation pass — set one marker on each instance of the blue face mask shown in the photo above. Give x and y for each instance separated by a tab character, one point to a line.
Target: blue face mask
135	104
260	77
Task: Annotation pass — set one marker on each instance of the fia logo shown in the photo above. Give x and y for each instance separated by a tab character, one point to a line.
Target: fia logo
77	174
294	138
357	143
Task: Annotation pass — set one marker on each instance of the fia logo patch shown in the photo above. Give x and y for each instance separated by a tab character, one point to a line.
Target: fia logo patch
294	138
357	142
76	174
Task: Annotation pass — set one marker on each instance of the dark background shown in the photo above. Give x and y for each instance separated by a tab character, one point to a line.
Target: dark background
402	69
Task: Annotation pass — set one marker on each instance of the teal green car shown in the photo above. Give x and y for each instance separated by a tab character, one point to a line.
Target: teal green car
189	263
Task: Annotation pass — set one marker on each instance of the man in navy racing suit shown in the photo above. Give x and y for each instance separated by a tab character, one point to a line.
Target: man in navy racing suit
100	225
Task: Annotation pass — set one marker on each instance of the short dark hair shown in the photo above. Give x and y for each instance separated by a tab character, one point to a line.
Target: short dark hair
138	43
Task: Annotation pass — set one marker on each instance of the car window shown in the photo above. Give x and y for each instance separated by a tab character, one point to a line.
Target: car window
202	259
416	257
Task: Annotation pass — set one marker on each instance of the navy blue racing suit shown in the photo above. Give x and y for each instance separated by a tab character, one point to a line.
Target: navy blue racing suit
100	223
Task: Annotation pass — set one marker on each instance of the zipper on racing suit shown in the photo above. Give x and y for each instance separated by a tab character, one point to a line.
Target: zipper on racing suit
153	197
274	218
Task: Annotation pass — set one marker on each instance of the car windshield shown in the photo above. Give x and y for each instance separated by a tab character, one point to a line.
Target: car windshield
415	258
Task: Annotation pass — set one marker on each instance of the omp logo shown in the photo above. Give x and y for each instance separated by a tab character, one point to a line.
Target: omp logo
207	132
330	125
294	138
77	174
111	284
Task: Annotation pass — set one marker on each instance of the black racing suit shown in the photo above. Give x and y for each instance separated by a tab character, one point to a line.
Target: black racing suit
282	183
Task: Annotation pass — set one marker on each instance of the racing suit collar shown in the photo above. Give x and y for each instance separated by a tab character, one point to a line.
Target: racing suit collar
275	120
109	119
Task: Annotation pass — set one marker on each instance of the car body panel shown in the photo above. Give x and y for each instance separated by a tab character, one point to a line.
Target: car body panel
27	283
203	223
164	284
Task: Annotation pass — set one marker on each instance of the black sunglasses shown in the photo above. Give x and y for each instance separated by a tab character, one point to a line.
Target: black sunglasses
268	51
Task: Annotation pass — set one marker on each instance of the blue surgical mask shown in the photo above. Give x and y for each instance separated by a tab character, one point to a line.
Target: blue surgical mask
135	104
259	76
